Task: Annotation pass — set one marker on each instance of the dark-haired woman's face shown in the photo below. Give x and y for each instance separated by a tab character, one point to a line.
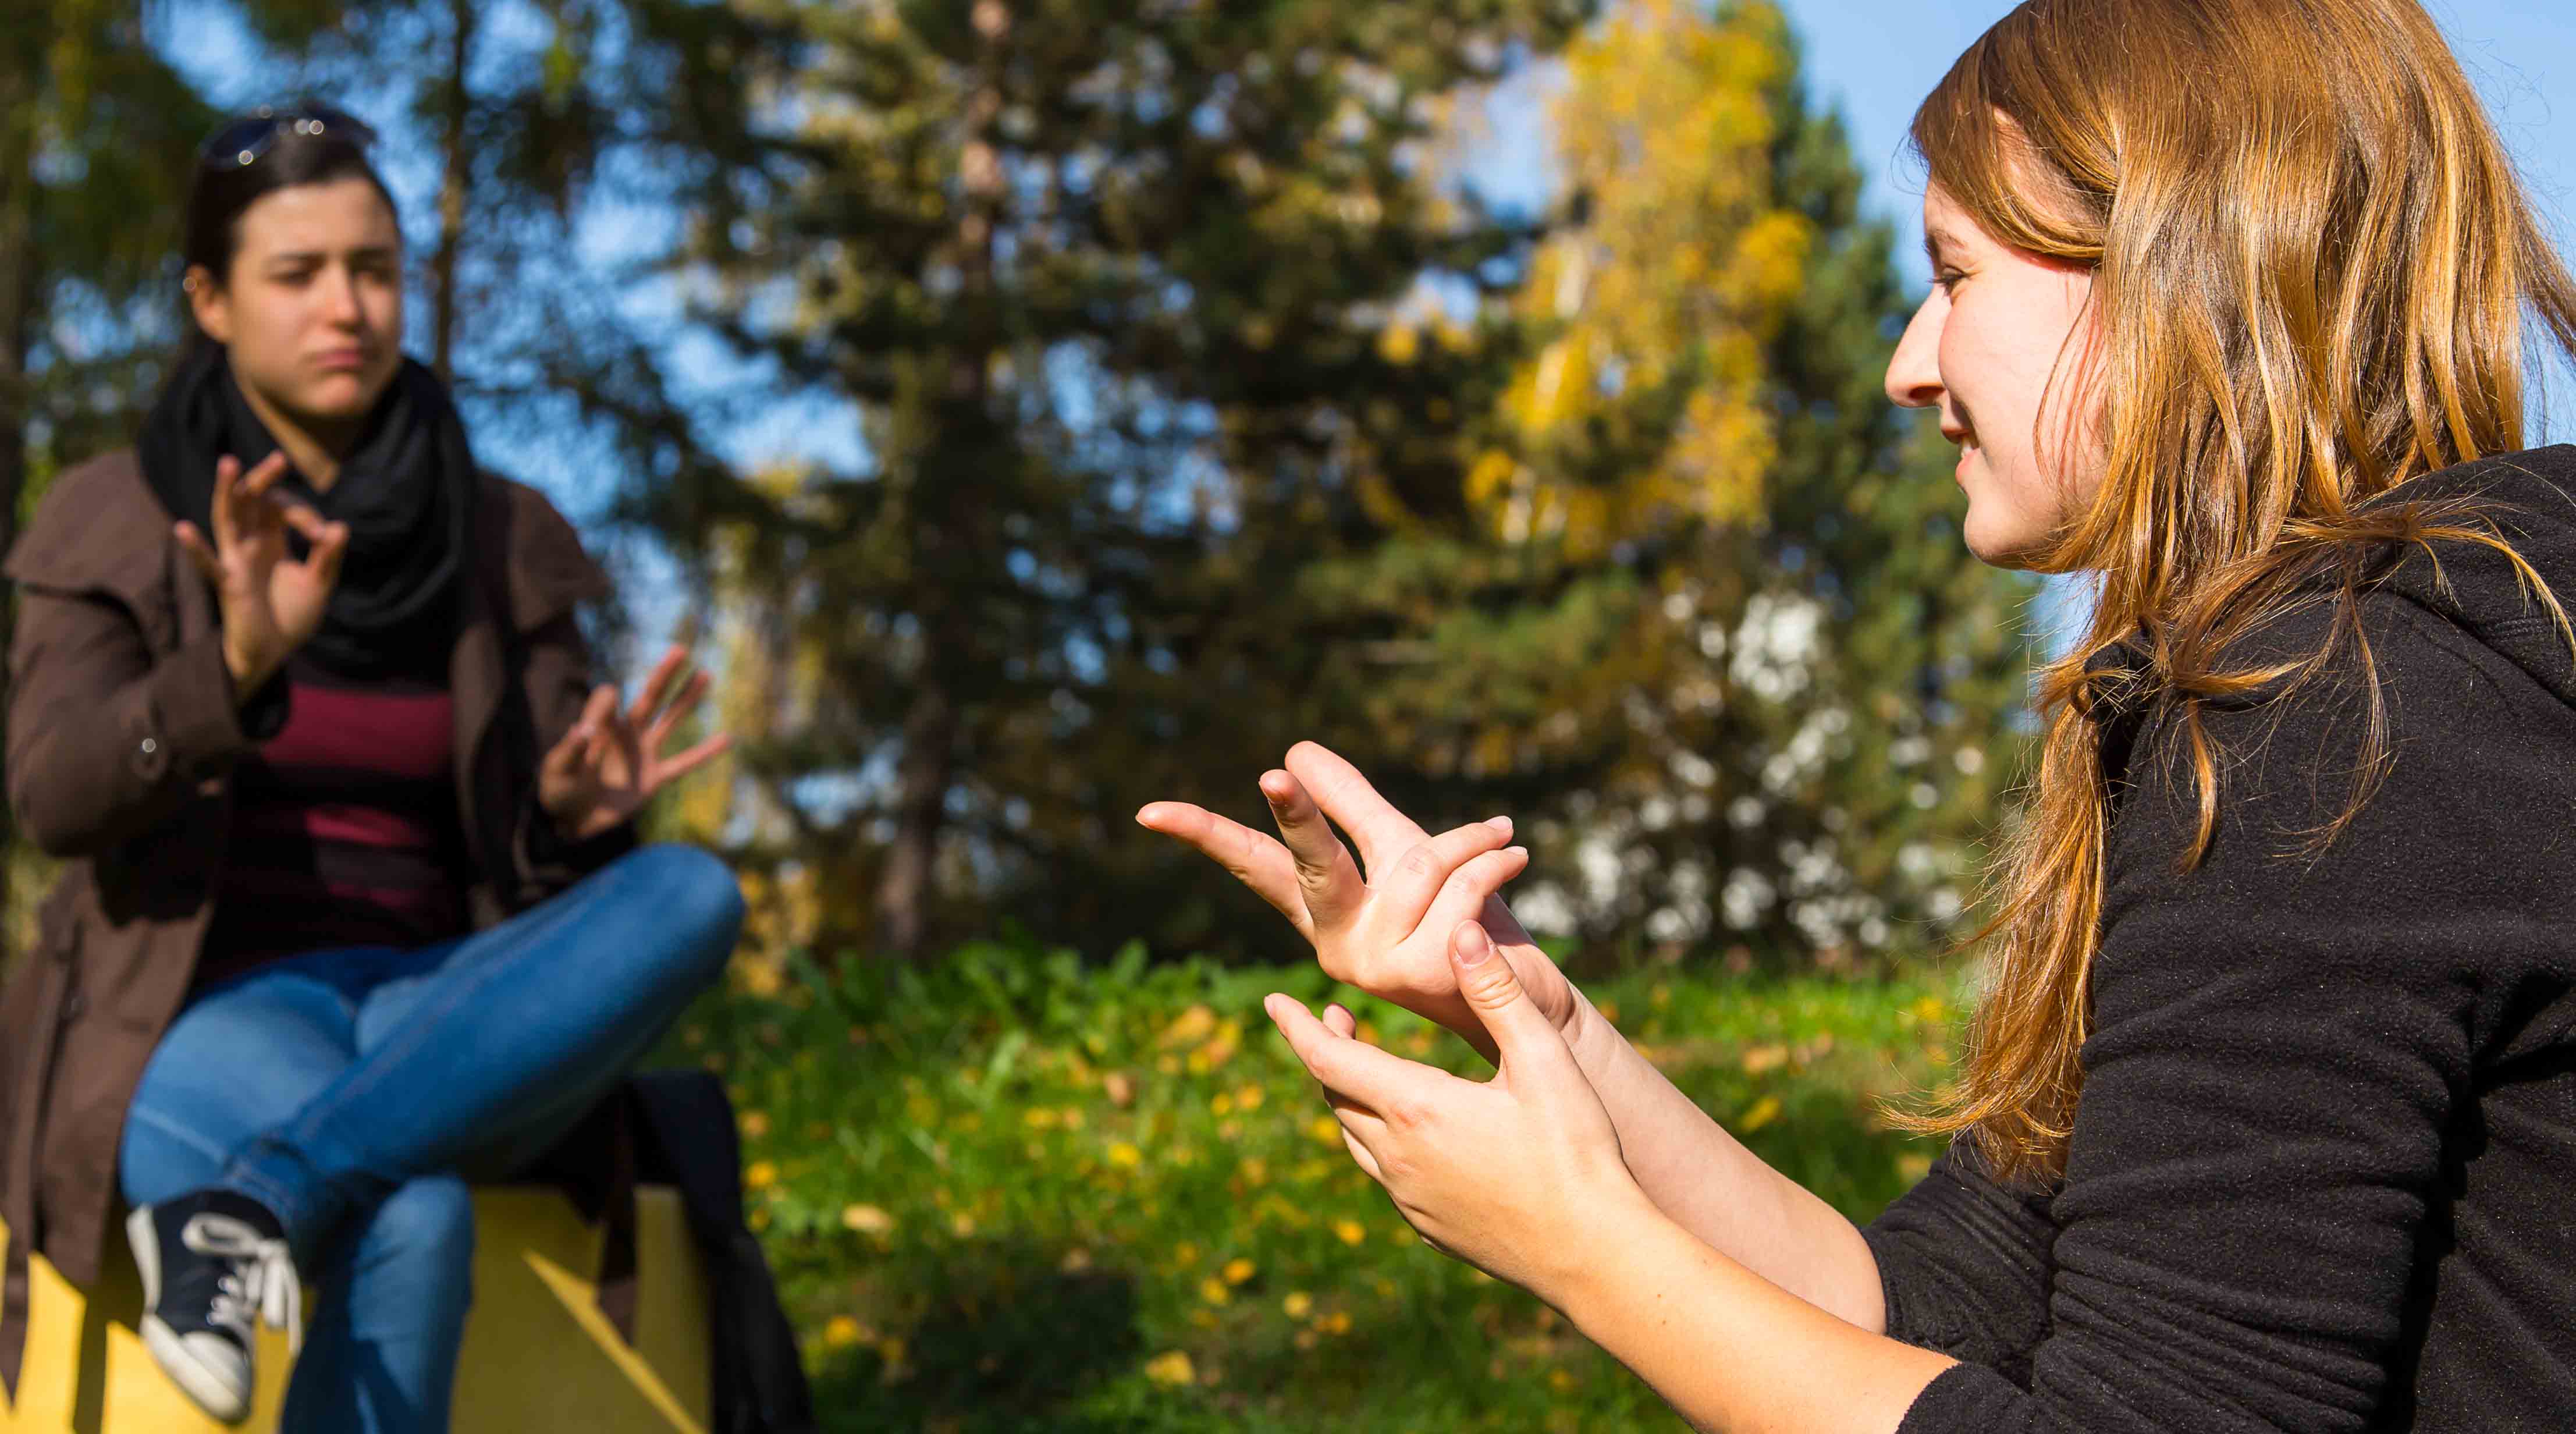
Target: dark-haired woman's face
312	310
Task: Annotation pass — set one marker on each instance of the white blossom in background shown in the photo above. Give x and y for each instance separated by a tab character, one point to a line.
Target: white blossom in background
1775	645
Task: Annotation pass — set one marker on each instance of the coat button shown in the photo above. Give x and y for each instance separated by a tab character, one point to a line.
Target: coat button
150	746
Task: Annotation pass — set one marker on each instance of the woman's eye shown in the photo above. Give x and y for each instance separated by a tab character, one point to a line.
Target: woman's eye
1947	279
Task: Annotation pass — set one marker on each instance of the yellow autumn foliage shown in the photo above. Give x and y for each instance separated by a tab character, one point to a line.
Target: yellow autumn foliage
1683	270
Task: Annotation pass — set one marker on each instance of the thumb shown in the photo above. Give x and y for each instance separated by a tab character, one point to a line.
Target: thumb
194	544
1522	1032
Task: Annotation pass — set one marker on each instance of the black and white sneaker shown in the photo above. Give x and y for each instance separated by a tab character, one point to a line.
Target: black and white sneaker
212	1261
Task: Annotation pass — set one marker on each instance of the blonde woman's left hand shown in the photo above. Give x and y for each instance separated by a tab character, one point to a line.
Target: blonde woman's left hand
1510	1175
612	761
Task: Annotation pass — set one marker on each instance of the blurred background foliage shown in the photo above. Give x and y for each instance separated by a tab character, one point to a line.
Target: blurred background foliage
1201	403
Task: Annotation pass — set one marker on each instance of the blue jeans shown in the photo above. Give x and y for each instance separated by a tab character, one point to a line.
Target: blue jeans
355	1091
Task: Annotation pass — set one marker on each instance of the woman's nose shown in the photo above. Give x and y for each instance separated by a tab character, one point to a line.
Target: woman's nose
340	298
1914	370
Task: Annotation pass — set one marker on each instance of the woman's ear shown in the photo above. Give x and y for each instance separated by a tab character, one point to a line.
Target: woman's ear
209	303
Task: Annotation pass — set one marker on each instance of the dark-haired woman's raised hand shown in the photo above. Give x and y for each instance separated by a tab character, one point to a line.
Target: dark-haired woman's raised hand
612	762
271	601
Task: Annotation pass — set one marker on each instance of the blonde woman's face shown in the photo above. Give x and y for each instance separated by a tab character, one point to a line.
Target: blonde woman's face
1982	350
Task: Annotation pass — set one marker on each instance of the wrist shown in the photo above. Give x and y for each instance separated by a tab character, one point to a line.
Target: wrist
1627	1233
250	668
567	827
1596	1044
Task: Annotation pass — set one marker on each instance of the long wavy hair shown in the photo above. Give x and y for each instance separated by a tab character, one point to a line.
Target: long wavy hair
2314	278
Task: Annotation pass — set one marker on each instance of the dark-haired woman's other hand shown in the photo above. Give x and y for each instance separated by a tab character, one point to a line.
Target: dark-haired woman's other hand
612	761
271	601
1387	934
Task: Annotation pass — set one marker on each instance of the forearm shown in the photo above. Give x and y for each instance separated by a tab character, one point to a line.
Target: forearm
1722	1194
106	741
1729	1349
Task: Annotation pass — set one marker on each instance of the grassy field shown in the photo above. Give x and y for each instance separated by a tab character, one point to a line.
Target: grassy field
1011	1192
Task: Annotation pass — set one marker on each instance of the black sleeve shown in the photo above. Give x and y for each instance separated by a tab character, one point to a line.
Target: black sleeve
2279	1043
1963	1262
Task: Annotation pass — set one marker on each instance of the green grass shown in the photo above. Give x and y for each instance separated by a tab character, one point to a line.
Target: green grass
1012	1192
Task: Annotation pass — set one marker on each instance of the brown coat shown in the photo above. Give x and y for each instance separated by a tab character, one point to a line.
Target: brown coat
122	730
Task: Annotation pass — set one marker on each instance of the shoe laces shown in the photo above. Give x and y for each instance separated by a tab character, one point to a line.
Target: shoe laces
259	1279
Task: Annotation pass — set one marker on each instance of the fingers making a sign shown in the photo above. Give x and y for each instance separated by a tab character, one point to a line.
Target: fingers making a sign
271	601
1497	1172
612	761
639	733
1379	922
1307	873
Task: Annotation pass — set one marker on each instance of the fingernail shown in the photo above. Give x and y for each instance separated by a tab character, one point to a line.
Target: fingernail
1519	851
1500	824
1473	945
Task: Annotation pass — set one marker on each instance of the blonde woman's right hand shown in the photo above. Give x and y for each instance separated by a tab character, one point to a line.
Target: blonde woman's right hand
1387	934
271	602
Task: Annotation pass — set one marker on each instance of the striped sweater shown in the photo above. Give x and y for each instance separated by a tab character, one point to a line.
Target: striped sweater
344	826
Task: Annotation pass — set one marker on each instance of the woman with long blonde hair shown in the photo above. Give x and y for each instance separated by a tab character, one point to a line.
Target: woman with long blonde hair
2268	1117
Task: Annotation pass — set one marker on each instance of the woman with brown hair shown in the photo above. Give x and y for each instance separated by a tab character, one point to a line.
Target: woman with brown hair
2268	1117
355	910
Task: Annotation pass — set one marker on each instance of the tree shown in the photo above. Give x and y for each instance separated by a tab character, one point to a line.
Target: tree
1720	644
1108	284
97	133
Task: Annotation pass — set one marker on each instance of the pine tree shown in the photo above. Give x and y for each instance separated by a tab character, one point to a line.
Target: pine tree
97	132
1721	647
1110	284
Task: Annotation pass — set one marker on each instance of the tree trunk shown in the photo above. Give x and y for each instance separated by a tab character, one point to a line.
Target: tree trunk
456	106
942	539
921	809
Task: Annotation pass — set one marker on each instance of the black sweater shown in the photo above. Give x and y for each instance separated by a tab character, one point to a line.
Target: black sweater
2323	1174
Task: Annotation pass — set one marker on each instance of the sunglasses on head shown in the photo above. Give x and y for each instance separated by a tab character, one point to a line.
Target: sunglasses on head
241	142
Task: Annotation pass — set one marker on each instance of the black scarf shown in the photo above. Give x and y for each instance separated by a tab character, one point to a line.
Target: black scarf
406	490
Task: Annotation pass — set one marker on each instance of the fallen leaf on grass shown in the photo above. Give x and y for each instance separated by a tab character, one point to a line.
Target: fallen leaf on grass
866	1219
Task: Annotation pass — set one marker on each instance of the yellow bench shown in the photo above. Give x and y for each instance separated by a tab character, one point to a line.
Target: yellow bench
538	1356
